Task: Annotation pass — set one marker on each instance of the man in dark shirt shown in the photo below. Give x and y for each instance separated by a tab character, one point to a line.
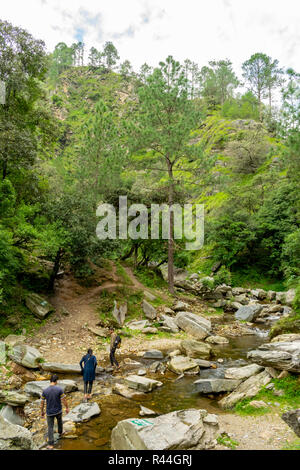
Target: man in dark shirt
53	395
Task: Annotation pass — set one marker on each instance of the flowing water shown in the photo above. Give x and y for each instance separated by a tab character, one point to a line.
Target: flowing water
173	395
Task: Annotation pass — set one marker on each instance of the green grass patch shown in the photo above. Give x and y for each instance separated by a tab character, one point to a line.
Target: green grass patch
294	445
226	441
121	272
150	278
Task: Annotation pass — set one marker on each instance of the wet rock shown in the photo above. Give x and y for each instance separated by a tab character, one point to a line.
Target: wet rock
182	364
39	306
215	385
13	415
82	412
26	356
65	368
142	384
204	364
195	325
217	340
292	418
248	312
242	373
247	389
280	355
149	310
36	388
184	429
126	392
14	437
146	411
196	349
153	354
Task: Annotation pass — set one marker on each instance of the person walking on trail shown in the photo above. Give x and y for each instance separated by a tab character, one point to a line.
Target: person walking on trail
115	342
88	372
53	395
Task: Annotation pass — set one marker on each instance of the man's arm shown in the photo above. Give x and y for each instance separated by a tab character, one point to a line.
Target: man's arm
43	407
64	400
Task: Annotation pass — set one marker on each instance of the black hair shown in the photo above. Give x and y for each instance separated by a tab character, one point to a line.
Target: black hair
53	378
90	351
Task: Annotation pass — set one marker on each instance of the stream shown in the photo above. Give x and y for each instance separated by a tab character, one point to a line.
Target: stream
173	395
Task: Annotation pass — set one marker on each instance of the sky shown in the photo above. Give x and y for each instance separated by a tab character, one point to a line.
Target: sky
150	30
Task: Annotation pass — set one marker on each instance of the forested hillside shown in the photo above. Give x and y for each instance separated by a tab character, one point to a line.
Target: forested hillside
73	136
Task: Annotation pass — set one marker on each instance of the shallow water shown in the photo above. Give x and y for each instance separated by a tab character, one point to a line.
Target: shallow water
173	395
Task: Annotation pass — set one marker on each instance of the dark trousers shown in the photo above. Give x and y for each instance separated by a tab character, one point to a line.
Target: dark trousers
112	358
50	422
88	387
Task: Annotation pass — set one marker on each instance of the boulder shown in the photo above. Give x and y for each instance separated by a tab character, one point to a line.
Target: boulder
138	325
271	295
184	429
280	355
153	354
280	297
239	290
290	297
13	398
150	330
195	325
248	312
126	392
169	323
82	412
195	349
66	368
260	294
180	306
10	413
168	311
14	437
119	313
217	340
102	332
182	364
36	388
12	340
247	389
146	411
292	418
142	384
149	310
25	374
180	274
26	356
241	299
242	373
258	404
39	306
287	337
2	352
215	385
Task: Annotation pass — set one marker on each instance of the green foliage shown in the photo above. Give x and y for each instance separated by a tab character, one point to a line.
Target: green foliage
223	276
226	441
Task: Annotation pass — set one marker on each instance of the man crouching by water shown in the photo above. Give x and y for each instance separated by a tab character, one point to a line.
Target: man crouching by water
53	395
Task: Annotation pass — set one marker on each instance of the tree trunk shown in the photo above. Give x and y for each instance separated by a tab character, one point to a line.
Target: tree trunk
55	269
171	232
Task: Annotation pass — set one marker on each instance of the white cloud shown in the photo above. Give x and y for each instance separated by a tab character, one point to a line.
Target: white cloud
150	30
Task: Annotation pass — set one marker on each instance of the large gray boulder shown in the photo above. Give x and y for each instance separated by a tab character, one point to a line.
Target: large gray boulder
10	413
260	294
217	340
119	313
182	364
248	312
247	389
12	398
169	323
82	412
286	338
292	418
213	385
36	388
142	384
26	356
280	355
195	349
185	429
39	306
194	325
153	354
126	392
149	310
65	368
14	437
242	373
290	297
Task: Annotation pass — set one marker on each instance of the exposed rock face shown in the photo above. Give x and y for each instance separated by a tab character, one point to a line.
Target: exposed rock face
217	340
247	389
119	313
38	306
149	310
195	325
10	413
36	388
182	364
14	437
215	385
13	398
142	384
26	356
281	355
248	312
169	323
292	418
242	373
82	412
196	349
184	429
65	368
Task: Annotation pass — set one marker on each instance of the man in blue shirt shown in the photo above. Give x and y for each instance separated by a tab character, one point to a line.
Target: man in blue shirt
53	395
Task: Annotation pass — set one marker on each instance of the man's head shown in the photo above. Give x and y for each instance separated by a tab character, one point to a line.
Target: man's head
90	351
111	330
53	379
